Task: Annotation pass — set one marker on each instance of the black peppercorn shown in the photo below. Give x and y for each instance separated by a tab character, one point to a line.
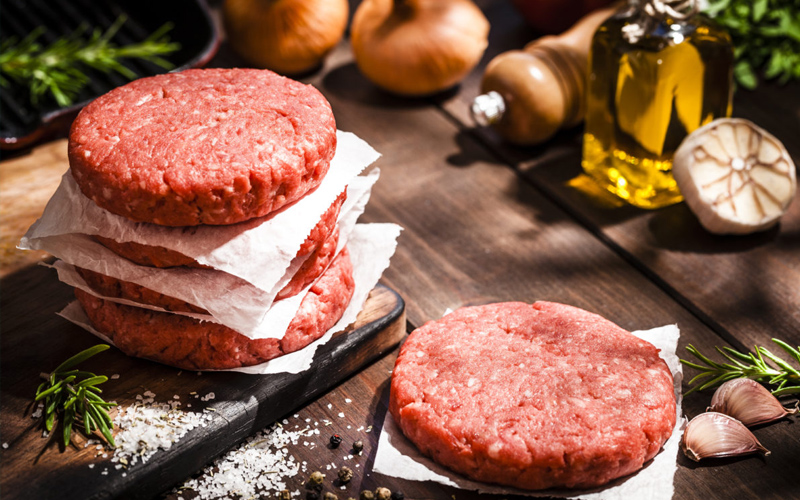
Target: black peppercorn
398	495
345	475
358	446
312	495
336	440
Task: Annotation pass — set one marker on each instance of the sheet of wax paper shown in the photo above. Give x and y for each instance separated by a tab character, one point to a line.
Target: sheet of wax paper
230	300
371	247
227	248
398	457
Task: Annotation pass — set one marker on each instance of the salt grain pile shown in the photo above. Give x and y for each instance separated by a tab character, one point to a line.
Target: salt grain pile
146	427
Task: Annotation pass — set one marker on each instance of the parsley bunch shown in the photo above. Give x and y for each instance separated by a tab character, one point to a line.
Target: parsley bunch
766	38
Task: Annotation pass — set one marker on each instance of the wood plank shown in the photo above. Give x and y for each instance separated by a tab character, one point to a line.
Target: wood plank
744	287
26	183
475	233
34	338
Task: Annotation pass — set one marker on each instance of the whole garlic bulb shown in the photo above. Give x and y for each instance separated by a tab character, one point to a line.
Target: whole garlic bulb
287	36
418	47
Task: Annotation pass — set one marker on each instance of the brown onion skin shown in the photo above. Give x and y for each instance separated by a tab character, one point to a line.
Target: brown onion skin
418	47
287	36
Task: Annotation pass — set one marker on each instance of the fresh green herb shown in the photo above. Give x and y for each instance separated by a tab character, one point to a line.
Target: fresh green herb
766	37
783	376
58	69
74	396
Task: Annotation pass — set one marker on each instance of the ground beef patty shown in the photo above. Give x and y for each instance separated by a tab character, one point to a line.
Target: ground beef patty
214	146
194	345
310	270
153	256
532	396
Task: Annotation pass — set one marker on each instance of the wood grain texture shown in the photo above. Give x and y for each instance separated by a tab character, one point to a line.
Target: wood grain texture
34	338
743	287
26	183
486	222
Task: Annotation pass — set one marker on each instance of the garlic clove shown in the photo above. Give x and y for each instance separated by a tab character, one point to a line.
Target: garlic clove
736	177
717	435
748	402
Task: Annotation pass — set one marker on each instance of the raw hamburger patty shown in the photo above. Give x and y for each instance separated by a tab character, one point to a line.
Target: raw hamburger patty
194	345
153	256
108	286
532	396
214	146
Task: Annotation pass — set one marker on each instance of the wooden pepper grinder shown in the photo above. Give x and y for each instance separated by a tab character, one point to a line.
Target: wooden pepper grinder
527	95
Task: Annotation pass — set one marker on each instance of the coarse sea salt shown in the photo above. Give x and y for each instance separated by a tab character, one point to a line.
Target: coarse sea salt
259	465
146	427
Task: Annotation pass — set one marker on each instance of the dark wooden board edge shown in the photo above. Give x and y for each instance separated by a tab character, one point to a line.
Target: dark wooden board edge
275	396
379	328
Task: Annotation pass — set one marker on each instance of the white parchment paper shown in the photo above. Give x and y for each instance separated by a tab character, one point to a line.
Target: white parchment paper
230	300
371	247
398	457
227	248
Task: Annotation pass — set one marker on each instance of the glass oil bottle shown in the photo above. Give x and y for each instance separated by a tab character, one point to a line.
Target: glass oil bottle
655	75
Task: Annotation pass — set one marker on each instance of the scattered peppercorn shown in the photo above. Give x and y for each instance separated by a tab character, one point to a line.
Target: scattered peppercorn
312	495
336	440
330	496
366	495
383	494
284	495
315	480
398	495
345	475
358	446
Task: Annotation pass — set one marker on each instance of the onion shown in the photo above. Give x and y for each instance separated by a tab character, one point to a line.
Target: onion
287	36
418	47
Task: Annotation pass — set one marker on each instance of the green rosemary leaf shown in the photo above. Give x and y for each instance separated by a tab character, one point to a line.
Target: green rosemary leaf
787	391
81	357
59	68
795	353
69	419
48	424
43	394
749	365
76	403
97	379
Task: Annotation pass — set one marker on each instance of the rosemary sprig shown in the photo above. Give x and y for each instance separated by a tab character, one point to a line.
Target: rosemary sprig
58	69
73	394
783	376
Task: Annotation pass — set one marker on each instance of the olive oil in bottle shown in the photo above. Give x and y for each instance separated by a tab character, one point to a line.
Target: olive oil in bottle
653	79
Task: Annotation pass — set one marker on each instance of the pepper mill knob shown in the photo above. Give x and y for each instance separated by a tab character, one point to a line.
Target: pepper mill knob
528	95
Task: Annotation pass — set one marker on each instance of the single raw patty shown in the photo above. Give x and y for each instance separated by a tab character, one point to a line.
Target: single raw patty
532	396
214	146
154	256
194	345
310	270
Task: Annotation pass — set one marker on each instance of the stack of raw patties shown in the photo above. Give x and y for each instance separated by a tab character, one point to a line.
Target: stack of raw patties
205	215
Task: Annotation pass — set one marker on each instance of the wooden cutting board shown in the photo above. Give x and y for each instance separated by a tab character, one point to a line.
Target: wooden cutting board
35	339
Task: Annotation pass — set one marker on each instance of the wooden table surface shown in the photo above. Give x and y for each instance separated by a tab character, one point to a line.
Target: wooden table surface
488	222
